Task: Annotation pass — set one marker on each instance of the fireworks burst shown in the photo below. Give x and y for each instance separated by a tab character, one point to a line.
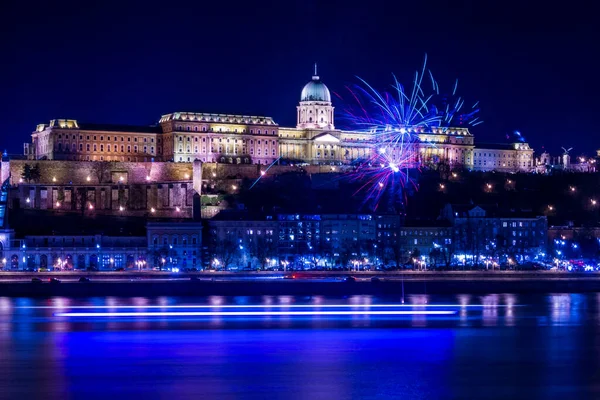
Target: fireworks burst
420	108
393	120
386	171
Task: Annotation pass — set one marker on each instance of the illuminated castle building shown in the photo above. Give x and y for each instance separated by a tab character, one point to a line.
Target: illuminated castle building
243	139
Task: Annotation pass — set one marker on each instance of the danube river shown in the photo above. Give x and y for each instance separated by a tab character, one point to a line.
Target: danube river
500	346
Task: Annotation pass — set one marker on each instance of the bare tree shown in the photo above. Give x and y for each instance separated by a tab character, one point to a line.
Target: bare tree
100	169
137	196
348	250
434	255
398	254
262	248
226	251
80	199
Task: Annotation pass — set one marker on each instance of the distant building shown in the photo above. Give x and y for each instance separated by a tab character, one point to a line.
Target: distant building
486	231
301	240
236	239
244	139
514	157
174	244
68	252
167	245
546	164
429	241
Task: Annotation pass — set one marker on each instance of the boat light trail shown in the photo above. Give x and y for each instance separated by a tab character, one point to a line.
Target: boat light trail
254	306
248	313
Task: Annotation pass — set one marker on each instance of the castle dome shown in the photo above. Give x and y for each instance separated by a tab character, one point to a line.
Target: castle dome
315	90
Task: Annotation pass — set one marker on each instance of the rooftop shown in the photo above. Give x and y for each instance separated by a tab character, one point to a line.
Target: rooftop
499	146
73	124
223	118
120	128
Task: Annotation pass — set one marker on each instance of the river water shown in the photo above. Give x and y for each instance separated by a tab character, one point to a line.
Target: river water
500	346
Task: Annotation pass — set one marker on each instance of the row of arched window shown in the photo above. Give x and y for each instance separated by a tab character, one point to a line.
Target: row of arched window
204	129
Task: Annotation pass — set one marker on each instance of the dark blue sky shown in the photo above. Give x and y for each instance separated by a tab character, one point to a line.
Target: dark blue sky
532	67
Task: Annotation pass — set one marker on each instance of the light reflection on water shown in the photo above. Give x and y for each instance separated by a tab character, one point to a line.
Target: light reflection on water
488	310
512	346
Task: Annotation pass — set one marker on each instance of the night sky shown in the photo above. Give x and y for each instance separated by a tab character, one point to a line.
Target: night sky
533	68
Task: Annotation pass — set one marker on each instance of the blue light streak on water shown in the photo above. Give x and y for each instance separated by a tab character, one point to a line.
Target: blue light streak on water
191	306
249	313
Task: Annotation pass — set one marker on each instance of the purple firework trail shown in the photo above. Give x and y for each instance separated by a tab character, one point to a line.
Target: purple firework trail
393	120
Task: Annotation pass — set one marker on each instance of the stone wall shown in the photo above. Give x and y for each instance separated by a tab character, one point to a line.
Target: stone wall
155	189
173	200
98	172
230	171
212	171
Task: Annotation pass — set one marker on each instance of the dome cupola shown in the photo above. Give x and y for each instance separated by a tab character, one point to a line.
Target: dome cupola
315	90
315	110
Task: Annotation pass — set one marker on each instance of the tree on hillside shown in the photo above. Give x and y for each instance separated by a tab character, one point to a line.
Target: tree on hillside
100	169
81	200
26	174
35	173
31	173
444	169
